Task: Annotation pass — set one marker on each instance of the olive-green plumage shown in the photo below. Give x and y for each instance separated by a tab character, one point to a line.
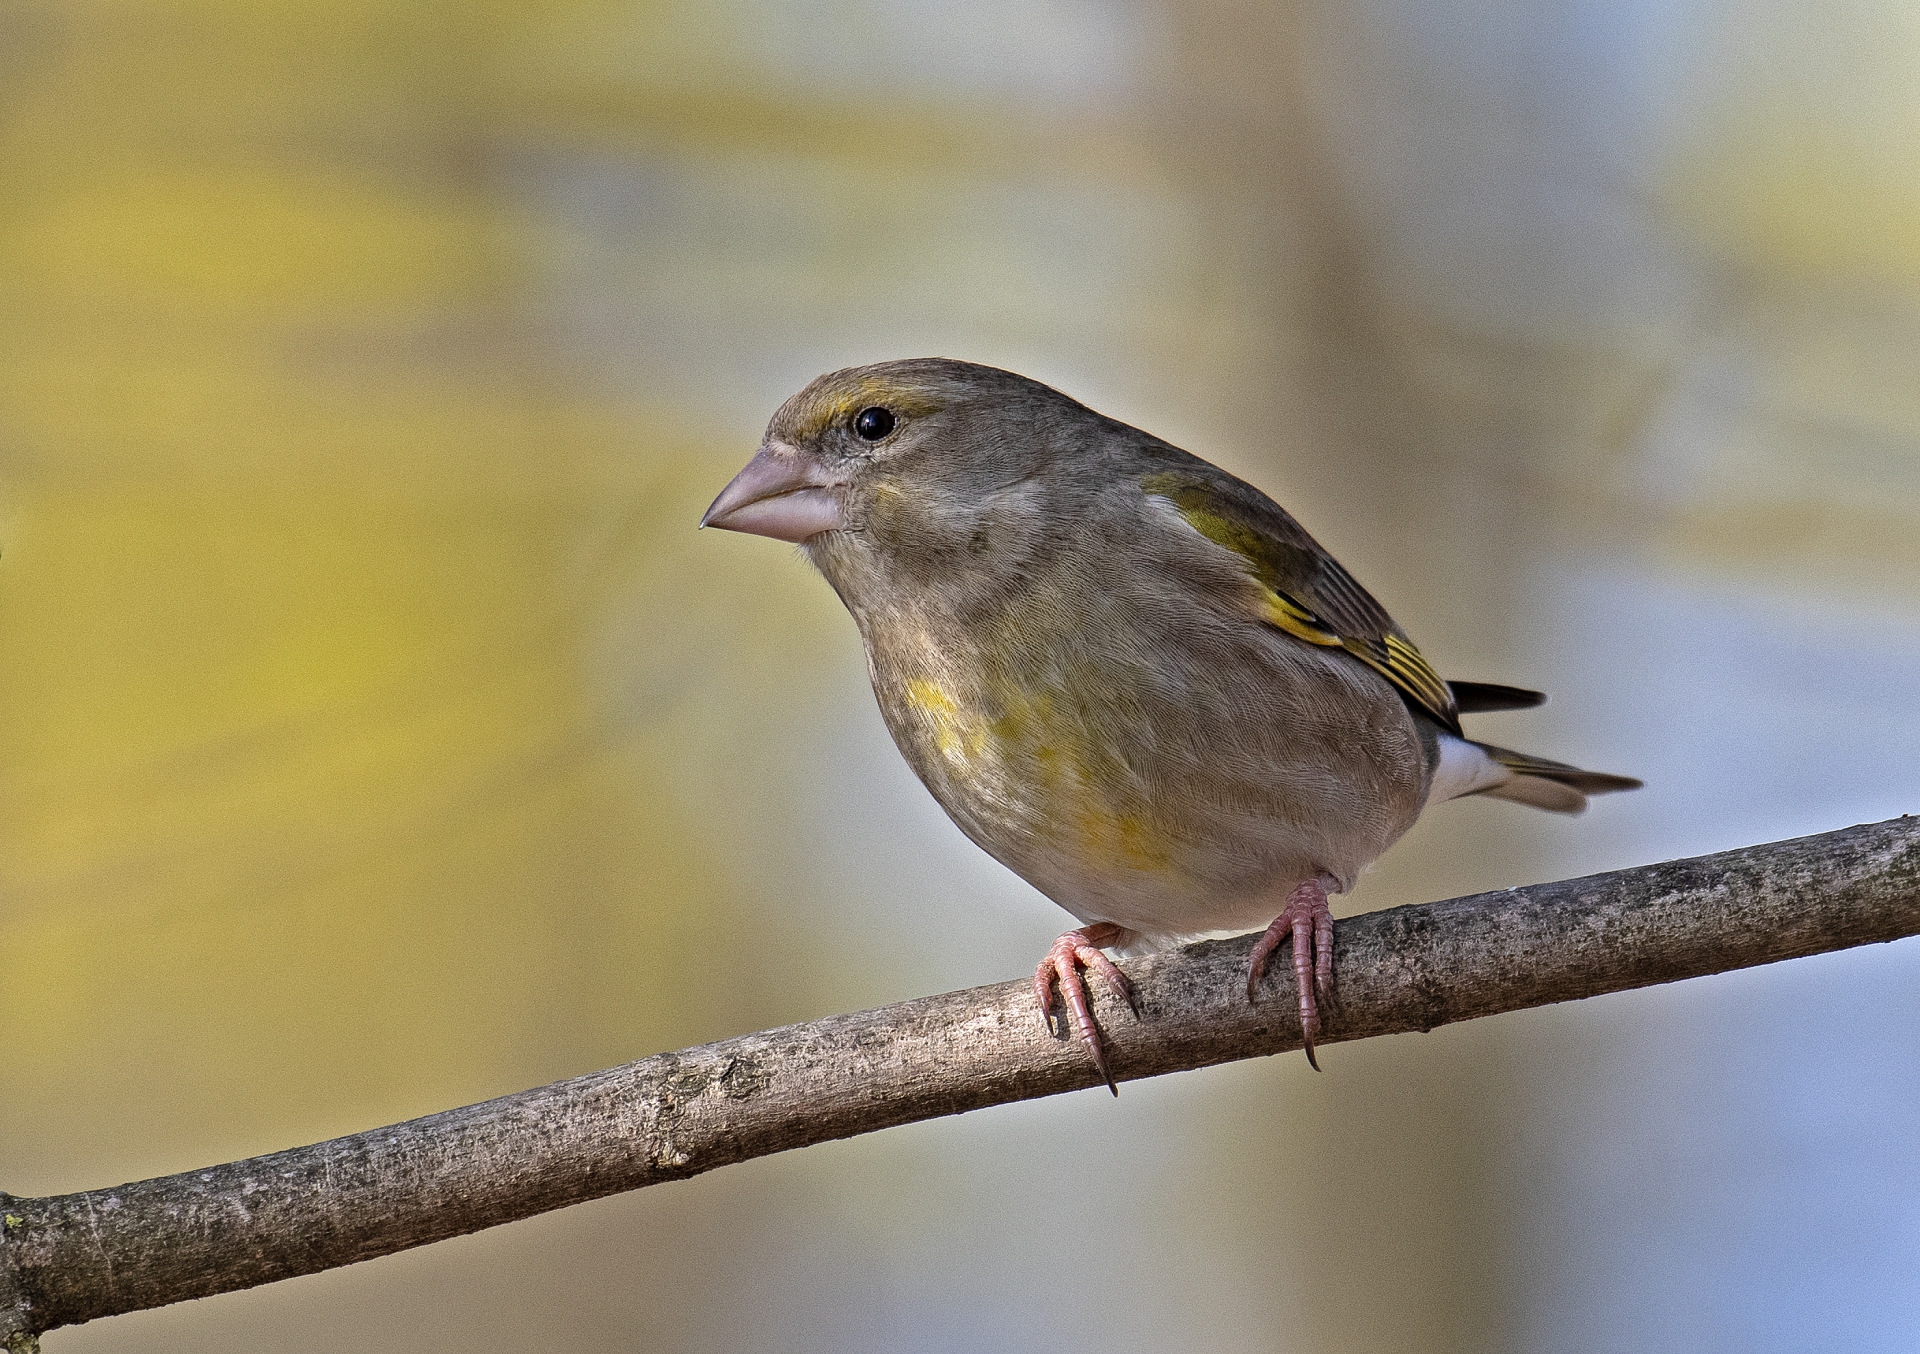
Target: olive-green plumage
1129	676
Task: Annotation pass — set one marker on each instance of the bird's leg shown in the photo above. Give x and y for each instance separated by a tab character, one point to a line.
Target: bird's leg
1309	925
1071	953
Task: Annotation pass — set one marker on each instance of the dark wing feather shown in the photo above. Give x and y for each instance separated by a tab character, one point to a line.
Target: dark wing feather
1475	697
1309	595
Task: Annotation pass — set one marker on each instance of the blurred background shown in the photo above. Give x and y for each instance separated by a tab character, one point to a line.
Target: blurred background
377	735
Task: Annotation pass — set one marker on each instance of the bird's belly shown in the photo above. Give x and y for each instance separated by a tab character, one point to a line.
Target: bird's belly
1172	820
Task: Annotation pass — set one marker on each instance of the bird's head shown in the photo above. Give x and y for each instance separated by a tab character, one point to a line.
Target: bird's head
921	468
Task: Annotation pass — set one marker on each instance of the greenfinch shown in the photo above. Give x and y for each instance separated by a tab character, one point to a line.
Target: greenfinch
1130	677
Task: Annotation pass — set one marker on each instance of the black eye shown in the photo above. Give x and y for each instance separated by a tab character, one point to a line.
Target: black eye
873	423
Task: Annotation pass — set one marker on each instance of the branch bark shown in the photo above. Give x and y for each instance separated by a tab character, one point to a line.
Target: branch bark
73	1257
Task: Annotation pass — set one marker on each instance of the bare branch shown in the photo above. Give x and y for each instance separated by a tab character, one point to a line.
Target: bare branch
74	1257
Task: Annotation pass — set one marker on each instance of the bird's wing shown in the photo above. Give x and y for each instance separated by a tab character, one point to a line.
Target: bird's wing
1474	697
1309	596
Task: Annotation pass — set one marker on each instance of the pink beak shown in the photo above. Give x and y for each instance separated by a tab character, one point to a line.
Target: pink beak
781	494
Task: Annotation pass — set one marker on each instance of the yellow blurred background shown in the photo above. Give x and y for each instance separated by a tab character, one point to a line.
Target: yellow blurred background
377	735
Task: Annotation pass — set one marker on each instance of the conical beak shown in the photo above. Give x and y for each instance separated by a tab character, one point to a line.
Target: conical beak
781	494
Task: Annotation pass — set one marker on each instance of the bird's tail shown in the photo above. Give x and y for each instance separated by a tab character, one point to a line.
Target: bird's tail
1548	785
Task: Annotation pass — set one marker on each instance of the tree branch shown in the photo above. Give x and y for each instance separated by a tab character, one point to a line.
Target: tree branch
74	1257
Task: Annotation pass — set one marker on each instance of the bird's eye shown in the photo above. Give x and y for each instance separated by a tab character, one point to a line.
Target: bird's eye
873	423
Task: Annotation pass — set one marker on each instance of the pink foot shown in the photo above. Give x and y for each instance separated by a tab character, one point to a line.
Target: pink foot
1071	953
1309	925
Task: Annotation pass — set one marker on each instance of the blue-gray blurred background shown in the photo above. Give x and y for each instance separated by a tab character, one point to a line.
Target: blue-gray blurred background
377	735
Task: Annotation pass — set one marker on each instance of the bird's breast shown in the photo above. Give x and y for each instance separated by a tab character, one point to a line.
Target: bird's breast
1163	770
1020	768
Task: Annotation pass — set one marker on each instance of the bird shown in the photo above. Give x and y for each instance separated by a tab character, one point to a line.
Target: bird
1127	675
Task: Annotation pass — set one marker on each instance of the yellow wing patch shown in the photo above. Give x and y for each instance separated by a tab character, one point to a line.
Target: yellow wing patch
1283	613
1402	664
1275	564
1392	657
